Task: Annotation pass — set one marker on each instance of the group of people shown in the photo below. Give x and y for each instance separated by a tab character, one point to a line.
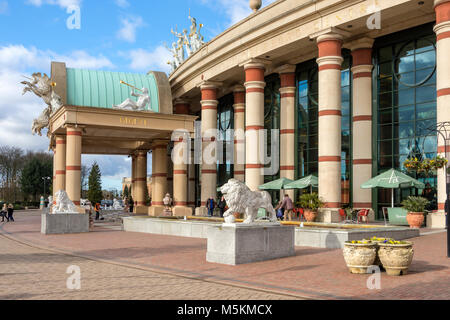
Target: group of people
7	212
211	205
285	208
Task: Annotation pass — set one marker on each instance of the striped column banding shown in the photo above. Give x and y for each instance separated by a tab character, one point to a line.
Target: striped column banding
362	121
141	177
330	115
239	132
181	107
191	183
180	175
59	162
73	163
254	123
287	124
209	134
442	30
159	173
133	177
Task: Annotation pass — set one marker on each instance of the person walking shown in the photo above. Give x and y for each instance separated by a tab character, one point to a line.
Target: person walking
279	210
222	204
97	211
210	206
4	213
288	207
10	212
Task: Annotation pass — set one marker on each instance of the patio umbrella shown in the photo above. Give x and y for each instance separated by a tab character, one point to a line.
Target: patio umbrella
309	181
392	179
278	184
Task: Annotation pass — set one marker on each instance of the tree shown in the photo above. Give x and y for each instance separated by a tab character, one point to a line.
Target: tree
36	167
84	181
148	200
125	192
95	184
11	163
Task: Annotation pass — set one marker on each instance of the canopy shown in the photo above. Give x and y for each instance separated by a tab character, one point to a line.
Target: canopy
309	181
276	184
392	179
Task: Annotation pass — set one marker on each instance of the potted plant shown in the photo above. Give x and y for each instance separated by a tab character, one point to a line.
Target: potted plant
416	209
311	203
396	256
412	164
359	255
377	240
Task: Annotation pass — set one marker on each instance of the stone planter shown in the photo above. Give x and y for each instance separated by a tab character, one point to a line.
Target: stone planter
415	219
396	258
310	215
359	256
377	261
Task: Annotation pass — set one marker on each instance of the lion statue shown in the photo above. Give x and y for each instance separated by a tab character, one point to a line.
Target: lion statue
63	204
241	199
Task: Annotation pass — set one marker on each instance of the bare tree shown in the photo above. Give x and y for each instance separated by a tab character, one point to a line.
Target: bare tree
11	163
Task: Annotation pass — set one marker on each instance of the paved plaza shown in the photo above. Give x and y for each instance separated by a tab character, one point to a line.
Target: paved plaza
120	265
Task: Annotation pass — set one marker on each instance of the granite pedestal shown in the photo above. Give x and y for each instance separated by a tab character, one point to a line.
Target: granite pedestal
64	223
235	244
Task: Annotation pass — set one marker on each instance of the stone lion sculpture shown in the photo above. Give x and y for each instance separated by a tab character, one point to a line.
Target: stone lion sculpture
63	204
240	199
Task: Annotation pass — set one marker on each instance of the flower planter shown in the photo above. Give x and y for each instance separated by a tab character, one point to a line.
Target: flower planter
310	215
359	256
377	261
415	219
396	258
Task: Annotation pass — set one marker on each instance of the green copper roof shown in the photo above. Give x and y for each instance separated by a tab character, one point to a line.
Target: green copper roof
102	89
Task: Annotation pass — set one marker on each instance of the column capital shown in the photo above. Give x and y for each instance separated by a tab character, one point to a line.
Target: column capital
181	101
238	88
159	144
286	68
255	63
141	153
361	43
439	2
330	34
211	85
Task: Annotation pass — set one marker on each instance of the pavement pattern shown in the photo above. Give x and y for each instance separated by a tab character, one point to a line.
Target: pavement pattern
125	265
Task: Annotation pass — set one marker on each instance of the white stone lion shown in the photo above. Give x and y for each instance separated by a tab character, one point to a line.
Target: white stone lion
240	199
63	204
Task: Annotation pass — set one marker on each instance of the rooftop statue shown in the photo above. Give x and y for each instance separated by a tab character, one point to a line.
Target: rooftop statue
240	199
42	86
140	105
179	46
196	39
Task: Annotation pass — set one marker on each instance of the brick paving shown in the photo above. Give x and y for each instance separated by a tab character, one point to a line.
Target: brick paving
312	273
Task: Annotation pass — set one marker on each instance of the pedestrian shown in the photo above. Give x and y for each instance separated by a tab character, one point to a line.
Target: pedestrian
222	204
4	213
279	210
210	206
97	211
288	206
10	212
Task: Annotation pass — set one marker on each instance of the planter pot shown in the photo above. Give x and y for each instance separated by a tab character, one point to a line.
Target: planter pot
396	258
377	261
359	256
415	219
310	215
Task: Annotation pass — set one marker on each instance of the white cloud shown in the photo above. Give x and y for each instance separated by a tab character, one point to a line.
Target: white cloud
129	27
16	111
122	3
144	60
3	7
62	3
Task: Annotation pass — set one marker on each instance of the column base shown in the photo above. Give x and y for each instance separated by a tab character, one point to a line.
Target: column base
140	210
158	211
201	212
328	215
180	211
436	220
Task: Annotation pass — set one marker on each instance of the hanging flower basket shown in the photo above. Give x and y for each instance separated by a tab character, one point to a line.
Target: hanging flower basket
439	162
412	164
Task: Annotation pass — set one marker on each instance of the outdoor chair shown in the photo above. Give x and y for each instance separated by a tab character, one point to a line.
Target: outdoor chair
363	213
343	214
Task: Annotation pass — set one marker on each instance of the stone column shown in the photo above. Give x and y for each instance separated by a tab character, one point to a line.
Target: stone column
239	132
159	177
209	134
180	159
362	121
60	166
442	30
330	114
191	186
141	182
73	164
133	178
287	128
254	122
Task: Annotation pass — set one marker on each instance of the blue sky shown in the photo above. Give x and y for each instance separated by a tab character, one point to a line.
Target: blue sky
119	35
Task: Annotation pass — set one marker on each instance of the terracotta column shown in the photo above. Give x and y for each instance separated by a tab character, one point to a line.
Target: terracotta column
362	121
159	177
73	163
59	162
209	134
254	122
191	185
239	132
140	182
330	115
287	128
180	160
442	29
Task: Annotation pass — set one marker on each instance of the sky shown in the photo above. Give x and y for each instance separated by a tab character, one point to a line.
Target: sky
115	35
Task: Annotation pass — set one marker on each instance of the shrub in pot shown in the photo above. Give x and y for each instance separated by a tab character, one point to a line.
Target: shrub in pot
416	209
311	203
359	255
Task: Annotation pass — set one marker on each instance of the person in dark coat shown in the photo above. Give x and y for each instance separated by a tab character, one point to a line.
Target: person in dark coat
222	205
10	213
210	206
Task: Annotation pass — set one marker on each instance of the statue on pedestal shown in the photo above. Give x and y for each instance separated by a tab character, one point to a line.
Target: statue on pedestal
140	105
63	204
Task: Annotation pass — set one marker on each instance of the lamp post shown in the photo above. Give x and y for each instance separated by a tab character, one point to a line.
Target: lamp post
443	131
45	179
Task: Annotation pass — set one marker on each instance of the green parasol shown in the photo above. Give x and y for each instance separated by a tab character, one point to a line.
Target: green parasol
276	184
306	182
